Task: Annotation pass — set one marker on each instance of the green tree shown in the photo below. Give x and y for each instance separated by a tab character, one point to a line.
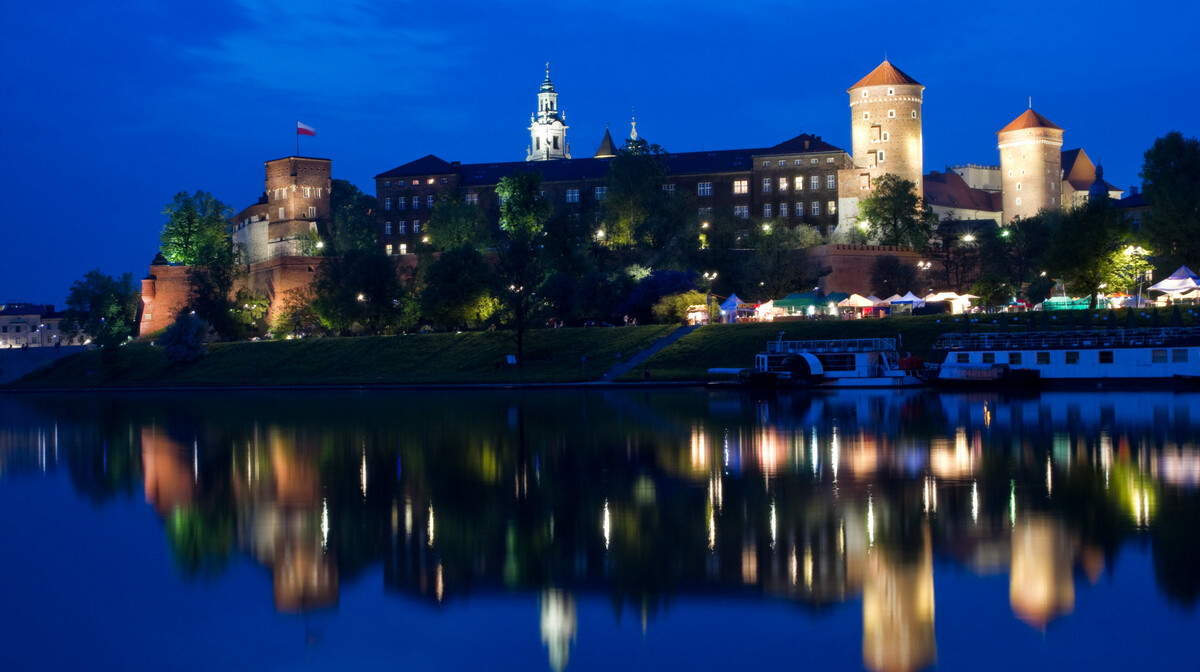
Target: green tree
1016	254
458	289
520	270
957	251
196	225
1171	185
454	223
210	287
360	291
103	308
779	265
895	215
642	211
1082	242
352	223
1128	267
673	308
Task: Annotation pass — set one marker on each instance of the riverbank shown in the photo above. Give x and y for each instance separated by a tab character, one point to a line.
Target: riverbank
552	357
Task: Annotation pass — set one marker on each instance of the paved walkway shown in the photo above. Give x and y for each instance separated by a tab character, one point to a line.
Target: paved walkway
631	363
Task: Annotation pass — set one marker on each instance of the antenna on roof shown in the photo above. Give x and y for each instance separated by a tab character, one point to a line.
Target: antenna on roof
1031	102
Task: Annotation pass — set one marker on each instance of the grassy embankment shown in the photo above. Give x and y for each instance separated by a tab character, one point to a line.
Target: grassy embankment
552	355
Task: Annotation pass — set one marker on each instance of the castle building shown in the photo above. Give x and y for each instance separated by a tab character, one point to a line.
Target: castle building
295	199
1030	165
548	127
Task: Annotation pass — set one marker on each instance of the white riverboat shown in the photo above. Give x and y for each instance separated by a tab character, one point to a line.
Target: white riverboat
839	363
1148	355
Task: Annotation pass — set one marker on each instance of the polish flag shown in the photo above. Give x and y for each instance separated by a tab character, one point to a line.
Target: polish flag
304	129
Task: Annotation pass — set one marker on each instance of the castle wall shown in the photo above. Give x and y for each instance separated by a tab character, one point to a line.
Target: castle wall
849	266
164	292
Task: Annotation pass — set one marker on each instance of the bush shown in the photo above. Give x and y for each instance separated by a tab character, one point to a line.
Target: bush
184	340
673	308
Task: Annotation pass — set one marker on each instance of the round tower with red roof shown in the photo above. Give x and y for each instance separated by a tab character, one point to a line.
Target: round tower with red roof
1030	165
885	125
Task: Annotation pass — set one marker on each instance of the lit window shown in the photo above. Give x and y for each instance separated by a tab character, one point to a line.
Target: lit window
308	192
429	181
767	210
389	249
799	182
741	186
387	203
783	184
572	195
831	207
601	192
766	185
741	211
783	210
704	189
816	208
814	182
831	182
416	182
403	248
387	228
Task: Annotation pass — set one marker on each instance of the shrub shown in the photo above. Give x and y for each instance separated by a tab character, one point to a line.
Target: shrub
184	340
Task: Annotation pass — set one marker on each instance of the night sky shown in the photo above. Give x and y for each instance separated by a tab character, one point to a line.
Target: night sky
109	109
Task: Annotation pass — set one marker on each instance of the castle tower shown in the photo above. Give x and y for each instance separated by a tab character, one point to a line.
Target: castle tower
547	130
297	190
885	126
1030	165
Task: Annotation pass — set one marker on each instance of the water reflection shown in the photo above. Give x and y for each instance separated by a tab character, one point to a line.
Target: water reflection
814	500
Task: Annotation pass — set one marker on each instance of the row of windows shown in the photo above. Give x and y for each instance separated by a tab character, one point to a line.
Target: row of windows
1177	356
814	183
312	212
415	182
798	162
402	248
308	192
401	202
814	209
891	114
403	228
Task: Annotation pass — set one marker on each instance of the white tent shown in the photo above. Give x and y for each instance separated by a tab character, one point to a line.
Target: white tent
876	301
855	301
894	297
1182	280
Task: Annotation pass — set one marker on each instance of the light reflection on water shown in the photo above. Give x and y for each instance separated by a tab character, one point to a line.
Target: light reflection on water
823	502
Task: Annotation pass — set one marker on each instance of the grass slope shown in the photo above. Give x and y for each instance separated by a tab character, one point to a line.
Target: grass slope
551	355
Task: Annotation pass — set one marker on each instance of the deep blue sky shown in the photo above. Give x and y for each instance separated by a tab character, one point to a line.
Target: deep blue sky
111	108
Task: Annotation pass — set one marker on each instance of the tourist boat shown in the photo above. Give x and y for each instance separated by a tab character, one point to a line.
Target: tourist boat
841	363
1154	355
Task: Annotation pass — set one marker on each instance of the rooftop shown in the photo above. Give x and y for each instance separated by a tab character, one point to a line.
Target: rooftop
885	73
1029	119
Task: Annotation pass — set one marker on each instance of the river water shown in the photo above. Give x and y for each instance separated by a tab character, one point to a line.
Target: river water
599	529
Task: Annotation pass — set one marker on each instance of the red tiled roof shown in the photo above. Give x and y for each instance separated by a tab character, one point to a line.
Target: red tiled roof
886	73
950	190
1030	119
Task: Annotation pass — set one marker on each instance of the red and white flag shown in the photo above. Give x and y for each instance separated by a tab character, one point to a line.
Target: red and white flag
304	129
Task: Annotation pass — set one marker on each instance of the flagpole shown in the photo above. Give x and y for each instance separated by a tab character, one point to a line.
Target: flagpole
297	137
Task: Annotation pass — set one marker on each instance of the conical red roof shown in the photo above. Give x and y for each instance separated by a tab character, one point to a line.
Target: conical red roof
886	73
1030	119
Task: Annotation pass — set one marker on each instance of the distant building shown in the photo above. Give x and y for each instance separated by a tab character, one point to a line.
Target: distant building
32	325
294	201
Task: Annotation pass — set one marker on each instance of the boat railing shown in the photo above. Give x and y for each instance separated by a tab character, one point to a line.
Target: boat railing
833	345
1065	339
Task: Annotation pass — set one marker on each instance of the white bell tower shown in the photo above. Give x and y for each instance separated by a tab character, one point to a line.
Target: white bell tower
547	132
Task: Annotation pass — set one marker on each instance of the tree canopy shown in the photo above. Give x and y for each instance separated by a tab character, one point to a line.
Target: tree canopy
1171	185
197	225
895	215
352	218
1083	241
103	308
520	270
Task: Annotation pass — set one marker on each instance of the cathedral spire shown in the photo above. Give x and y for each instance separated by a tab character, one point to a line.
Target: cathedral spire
632	125
547	126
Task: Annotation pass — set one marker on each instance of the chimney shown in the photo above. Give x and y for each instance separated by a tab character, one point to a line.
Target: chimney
806	144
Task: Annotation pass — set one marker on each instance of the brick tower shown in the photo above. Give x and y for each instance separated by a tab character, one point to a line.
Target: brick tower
1030	165
885	126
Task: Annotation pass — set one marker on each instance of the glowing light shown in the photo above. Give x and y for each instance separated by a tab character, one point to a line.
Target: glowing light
712	529
969	238
431	525
794	567
320	244
408	517
1012	503
607	526
440	586
834	453
974	502
808	567
361	297
363	473
704	225
1049	477
324	524
600	234
870	521
774	525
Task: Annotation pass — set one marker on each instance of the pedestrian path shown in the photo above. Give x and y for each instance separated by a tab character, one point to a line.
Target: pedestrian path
629	364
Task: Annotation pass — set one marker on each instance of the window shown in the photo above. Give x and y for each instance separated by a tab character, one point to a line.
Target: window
799	162
1179	356
914	114
1106	356
669	188
429	201
783	209
401	202
416	226
799	208
443	180
866	116
572	195
1072	357
473	199
387	203
429	181
601	192
416	182
1043	358
1018	200
766	185
783	184
308	192
962	357
766	210
1018	186
281	213
879	157
814	182
741	211
891	91
829	159
387	183
1014	358
886	136
1156	357
989	358
403	248
387	228
704	189
831	207
813	162
816	208
782	163
312	212
416	202
865	92
891	114
389	249
403	227
705	210
799	182
741	186
318	192
831	182
864	182
766	163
